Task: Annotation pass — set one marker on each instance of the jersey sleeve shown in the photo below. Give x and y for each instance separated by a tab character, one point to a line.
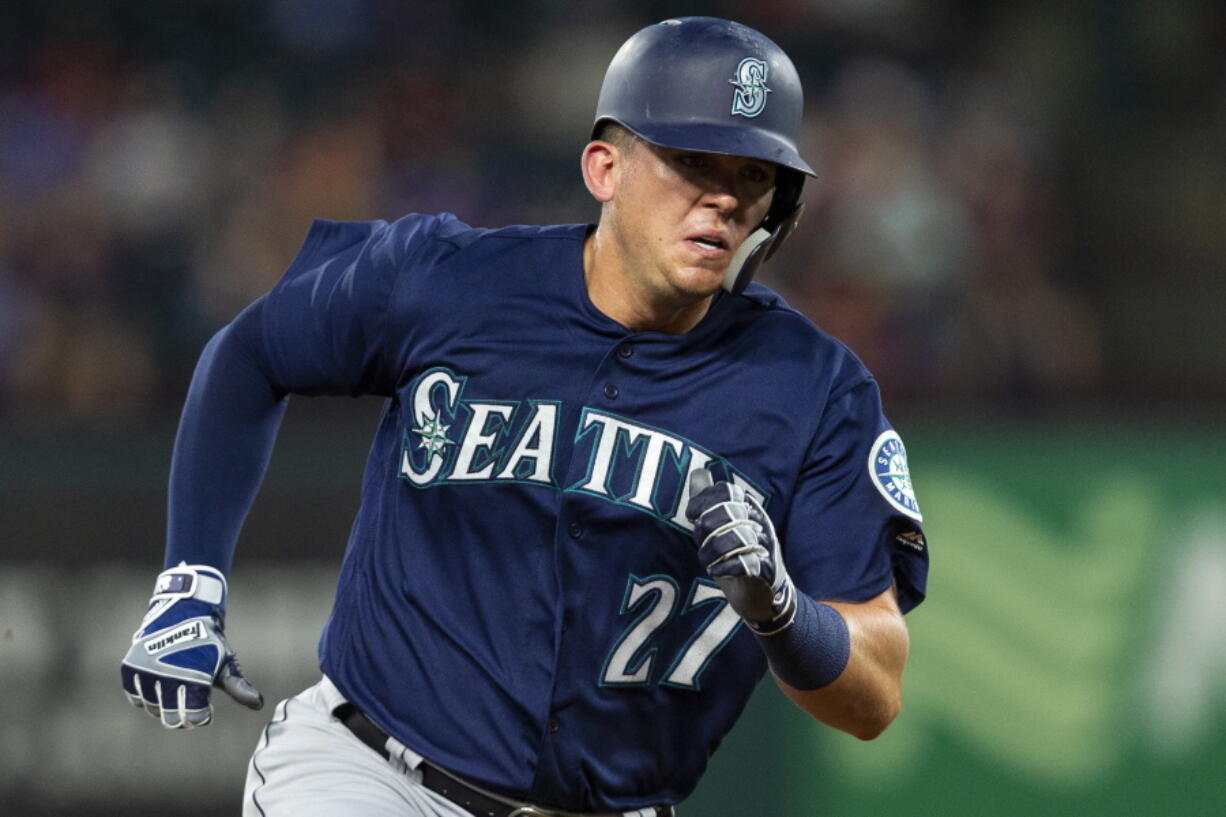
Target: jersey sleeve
326	322
854	523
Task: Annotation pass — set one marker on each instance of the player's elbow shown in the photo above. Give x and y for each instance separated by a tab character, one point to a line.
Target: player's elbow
856	712
871	721
874	727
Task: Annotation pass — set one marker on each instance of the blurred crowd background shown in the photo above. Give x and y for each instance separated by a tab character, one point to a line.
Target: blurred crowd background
1019	205
1019	223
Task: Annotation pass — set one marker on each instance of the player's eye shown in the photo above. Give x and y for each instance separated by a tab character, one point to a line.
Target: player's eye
696	161
756	174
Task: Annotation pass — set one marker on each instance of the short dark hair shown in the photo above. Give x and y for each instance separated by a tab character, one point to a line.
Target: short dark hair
617	135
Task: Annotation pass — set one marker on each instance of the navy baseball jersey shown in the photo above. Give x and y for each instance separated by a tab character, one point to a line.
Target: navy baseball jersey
520	599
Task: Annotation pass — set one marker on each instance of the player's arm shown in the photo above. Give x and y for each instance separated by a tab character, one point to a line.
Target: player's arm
222	447
867	695
842	663
320	331
225	438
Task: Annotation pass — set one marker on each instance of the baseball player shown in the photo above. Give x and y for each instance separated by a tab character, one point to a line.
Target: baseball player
614	483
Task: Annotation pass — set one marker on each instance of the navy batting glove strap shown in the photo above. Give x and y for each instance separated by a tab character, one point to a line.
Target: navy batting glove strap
740	550
180	652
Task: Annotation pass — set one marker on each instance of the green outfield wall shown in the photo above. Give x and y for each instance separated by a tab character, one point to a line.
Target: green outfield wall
1070	658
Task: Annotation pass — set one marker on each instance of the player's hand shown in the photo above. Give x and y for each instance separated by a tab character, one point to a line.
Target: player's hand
738	546
180	652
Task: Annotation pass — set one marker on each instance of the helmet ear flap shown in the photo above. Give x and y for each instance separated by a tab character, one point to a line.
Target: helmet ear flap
782	218
788	184
786	209
744	264
785	229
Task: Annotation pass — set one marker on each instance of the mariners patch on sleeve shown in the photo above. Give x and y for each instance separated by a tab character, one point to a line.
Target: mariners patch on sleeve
887	466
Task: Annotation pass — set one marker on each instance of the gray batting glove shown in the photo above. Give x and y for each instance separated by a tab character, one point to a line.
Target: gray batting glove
180	651
738	546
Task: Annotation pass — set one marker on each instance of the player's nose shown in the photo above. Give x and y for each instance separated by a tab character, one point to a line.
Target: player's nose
727	185
720	190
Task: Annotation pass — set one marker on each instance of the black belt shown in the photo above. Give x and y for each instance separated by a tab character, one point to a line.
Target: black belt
444	783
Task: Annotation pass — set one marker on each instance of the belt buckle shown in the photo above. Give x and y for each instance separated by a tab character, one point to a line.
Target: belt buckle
529	811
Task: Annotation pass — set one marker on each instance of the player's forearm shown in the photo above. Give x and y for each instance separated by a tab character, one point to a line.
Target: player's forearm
224	441
867	695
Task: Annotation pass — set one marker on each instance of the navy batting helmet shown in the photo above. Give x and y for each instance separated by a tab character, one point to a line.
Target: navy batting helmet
715	86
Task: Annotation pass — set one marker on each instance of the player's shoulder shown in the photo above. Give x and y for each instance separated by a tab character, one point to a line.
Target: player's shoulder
444	239
461	236
773	323
424	238
444	227
407	235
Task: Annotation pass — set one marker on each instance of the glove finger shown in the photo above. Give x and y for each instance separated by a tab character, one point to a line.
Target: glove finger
736	534
152	687
184	705
191	718
131	690
752	560
770	540
747	562
728	541
758	515
755	510
146	691
234	684
194	706
710	494
169	701
720	516
700	481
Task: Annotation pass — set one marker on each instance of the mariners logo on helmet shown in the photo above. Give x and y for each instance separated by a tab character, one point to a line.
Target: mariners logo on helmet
749	99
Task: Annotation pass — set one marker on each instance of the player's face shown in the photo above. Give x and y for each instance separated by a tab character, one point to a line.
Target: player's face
681	216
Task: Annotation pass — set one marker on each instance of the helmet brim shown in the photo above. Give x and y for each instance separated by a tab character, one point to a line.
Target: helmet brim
709	137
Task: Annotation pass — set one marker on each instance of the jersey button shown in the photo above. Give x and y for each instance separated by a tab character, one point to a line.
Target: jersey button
610	391
625	350
575	530
554	725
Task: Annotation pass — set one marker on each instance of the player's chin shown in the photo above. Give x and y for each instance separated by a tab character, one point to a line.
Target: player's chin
698	282
700	276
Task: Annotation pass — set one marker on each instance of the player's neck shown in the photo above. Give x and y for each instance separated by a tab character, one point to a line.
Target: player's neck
621	297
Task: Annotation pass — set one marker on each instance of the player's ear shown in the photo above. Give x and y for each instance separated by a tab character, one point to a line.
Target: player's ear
600	163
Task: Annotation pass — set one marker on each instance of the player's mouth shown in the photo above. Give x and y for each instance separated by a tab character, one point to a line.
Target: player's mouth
709	244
